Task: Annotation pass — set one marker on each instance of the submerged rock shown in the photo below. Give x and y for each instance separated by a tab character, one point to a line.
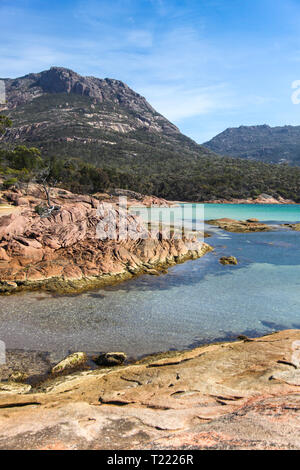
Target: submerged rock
70	362
240	226
111	359
228	260
295	227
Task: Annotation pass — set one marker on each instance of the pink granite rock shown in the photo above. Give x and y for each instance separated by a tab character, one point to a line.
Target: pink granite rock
83	240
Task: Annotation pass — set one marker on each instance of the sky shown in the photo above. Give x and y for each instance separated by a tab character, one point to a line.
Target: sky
204	64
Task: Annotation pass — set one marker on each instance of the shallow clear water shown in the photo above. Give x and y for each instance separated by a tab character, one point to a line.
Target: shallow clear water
196	302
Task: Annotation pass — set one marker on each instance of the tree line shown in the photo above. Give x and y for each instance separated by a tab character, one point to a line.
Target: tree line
195	179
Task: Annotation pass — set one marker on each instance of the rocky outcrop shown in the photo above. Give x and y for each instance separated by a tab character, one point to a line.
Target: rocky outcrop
240	226
261	199
12	388
295	227
59	80
84	244
136	199
242	395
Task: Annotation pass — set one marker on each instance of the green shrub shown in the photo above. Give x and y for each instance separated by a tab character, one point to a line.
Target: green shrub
10	182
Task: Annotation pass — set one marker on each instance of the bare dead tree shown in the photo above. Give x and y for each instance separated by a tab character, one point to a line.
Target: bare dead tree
47	188
47	183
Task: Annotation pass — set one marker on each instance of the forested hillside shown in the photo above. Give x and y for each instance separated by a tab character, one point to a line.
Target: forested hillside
90	135
262	143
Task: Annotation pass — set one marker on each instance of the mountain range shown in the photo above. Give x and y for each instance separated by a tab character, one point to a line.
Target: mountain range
100	134
263	143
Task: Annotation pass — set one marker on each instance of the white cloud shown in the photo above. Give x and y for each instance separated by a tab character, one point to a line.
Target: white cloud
178	103
31	57
140	38
172	57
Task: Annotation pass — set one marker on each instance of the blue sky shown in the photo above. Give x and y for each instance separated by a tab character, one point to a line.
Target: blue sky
205	64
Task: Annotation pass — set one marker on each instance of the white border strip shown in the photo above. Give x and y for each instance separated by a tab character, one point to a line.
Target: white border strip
2	92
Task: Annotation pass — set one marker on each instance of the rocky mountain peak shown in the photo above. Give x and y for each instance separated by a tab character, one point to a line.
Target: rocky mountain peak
62	80
61	106
59	80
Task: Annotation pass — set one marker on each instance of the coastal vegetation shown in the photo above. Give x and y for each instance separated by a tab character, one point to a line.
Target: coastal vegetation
168	176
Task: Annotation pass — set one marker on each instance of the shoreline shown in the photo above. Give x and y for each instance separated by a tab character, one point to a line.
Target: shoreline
83	244
20	360
233	395
240	202
62	286
62	254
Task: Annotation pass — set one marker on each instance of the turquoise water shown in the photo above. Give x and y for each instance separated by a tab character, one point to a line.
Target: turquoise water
196	302
263	212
